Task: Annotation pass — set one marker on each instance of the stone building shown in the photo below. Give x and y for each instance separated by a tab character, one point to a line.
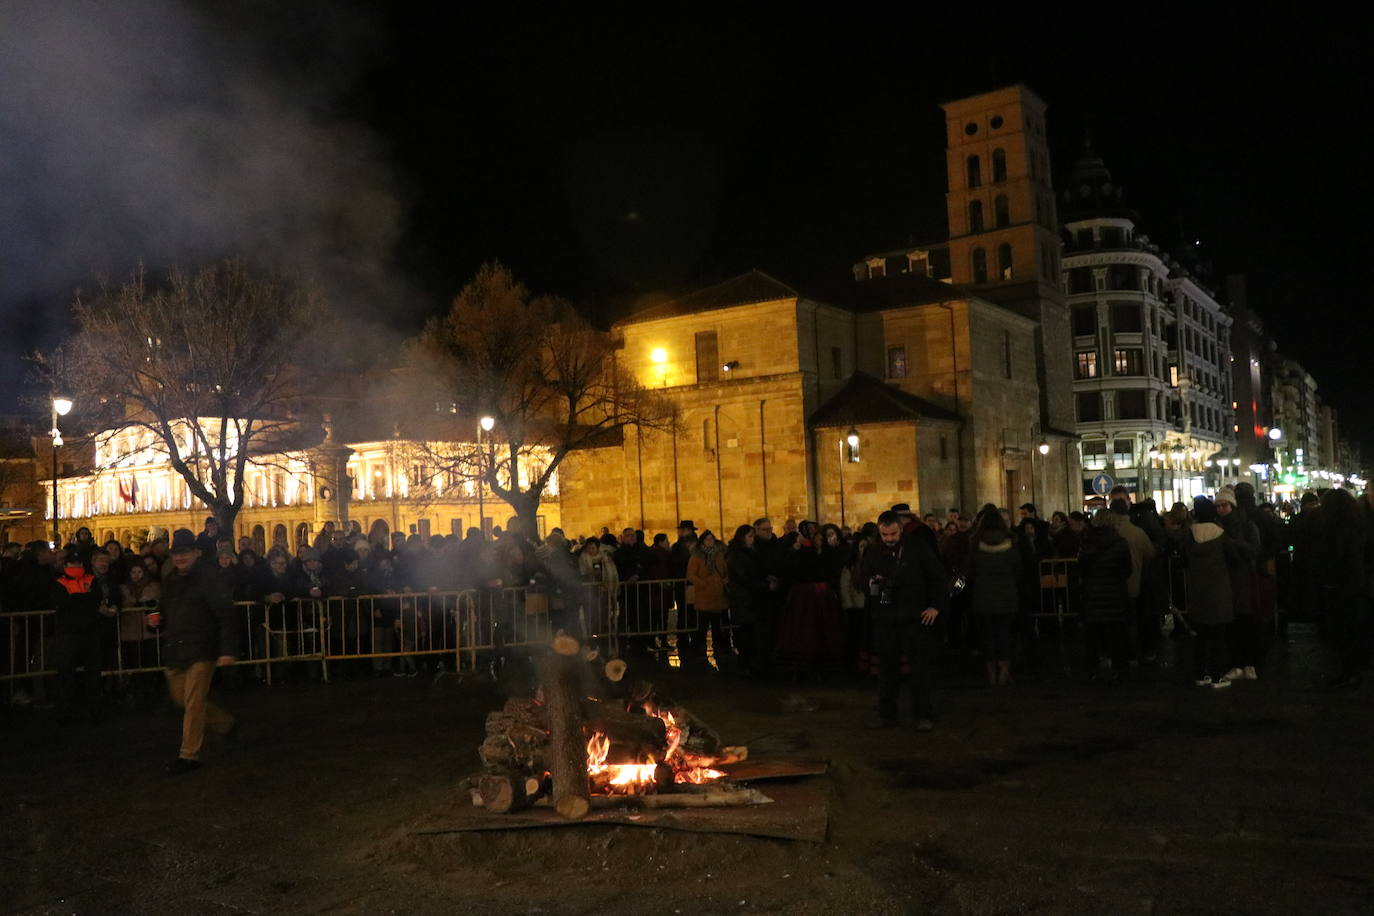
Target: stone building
937	387
1151	352
367	480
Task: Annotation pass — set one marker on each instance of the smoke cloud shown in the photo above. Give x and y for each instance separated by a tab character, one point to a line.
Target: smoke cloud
160	132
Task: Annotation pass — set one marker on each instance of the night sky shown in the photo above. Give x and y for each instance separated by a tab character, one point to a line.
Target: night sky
392	150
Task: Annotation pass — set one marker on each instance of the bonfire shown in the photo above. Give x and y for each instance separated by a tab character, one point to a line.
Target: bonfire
589	737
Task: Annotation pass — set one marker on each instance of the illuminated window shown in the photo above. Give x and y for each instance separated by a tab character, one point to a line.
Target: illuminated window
1094	454
1085	365
1130	361
1004	261
1123	452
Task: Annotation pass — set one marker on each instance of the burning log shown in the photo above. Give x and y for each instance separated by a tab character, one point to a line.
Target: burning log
567	748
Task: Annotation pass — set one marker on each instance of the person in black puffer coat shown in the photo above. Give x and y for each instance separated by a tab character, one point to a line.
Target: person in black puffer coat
1104	562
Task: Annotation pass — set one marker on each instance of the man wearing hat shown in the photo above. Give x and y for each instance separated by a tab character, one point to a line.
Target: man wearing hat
199	633
679	556
912	527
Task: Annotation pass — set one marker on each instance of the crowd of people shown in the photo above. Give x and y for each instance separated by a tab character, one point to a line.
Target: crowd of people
805	601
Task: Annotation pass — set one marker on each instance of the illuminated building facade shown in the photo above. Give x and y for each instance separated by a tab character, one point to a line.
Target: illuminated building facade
1151	352
132	488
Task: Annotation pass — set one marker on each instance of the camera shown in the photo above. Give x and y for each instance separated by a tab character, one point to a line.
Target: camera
883	590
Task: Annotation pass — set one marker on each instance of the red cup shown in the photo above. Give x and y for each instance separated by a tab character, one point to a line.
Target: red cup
154	619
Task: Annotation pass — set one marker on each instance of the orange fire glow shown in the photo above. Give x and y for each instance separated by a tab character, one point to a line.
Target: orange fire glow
639	778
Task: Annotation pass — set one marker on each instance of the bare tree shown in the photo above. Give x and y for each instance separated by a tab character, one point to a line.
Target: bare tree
199	368
548	378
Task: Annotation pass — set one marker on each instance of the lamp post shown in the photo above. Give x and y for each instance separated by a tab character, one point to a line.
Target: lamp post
483	425
851	439
61	406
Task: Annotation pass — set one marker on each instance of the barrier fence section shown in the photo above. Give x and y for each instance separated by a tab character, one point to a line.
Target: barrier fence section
1058	598
389	630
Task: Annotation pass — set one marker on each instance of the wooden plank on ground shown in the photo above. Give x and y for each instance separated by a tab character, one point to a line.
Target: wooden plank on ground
760	770
798	812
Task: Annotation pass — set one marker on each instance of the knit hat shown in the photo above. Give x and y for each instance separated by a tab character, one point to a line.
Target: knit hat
1226	495
1204	510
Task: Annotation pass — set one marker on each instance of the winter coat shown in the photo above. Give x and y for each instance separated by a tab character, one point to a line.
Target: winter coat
1104	563
706	572
1207	550
599	569
915	575
1241	560
745	584
199	622
1142	550
134	601
994	571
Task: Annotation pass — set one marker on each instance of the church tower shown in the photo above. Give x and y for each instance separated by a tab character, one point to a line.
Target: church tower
1003	231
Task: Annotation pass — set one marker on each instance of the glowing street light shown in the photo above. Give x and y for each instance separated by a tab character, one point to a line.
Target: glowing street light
1044	447
1275	434
61	406
483	425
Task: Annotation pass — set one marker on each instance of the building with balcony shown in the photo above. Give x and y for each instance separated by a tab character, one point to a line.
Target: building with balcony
1150	352
368	481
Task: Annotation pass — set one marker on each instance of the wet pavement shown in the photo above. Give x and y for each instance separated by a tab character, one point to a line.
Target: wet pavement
1053	795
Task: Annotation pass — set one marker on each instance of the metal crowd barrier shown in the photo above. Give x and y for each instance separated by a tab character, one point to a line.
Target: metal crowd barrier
386	629
1058	598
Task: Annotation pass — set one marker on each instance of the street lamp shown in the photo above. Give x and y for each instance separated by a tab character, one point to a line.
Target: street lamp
483	425
61	406
1044	447
851	439
659	356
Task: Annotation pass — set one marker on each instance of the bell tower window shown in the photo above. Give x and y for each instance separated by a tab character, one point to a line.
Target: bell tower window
975	216
999	166
975	172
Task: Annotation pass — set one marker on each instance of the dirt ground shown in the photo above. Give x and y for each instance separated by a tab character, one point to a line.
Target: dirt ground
1055	795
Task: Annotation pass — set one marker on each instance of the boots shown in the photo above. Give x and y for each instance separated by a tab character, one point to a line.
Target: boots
1003	673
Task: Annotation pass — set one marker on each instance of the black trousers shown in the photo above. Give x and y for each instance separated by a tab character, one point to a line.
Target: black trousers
78	668
914	641
1211	654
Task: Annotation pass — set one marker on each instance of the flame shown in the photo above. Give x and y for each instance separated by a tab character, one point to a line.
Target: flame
635	778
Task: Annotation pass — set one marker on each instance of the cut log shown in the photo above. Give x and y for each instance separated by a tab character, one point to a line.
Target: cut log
566	645
629	726
566	753
503	793
573	807
615	670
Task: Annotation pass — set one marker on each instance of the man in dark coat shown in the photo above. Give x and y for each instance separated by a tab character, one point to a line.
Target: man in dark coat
199	634
907	591
1104	561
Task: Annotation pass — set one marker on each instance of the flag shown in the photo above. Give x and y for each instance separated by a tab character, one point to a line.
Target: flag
129	492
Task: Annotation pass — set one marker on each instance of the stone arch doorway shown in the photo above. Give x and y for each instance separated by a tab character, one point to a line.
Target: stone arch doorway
259	537
302	536
279	536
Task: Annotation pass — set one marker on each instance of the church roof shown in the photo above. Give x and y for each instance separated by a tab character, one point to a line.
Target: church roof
865	399
745	289
895	291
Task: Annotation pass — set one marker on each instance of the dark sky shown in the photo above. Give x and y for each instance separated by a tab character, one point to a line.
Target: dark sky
394	149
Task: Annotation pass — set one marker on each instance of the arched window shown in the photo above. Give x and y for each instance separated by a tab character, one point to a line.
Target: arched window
1004	261
259	539
1001	213
975	216
380	534
279	537
975	172
980	266
999	166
